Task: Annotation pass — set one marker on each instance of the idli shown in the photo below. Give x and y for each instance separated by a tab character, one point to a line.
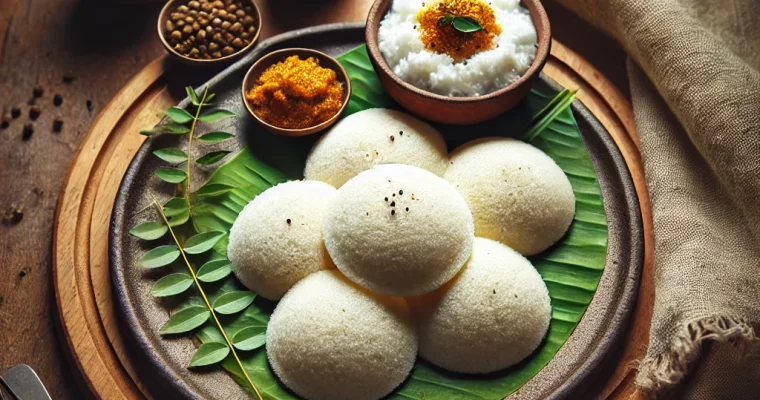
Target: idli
330	339
518	195
491	316
398	230
372	137
277	238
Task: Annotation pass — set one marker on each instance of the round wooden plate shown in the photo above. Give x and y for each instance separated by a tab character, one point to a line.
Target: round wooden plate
80	251
167	358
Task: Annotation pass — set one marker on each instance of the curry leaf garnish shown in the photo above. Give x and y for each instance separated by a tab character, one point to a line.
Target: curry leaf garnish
199	243
446	20
250	338
176	123
171	175
209	353
213	271
193	96
466	24
172	156
179	115
233	302
160	256
194	316
202	242
174	129
214	137
176	211
171	285
150	230
185	320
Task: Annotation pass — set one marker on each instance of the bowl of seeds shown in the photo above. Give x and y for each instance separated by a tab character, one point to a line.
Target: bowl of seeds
209	32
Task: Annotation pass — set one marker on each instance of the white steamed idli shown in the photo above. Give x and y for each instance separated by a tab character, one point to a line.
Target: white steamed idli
372	137
398	230
277	238
489	317
517	194
330	339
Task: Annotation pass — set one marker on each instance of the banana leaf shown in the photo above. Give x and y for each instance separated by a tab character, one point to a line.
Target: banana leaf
571	268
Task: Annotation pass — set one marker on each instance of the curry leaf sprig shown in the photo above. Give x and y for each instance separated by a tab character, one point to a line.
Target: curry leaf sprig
195	246
183	122
193	317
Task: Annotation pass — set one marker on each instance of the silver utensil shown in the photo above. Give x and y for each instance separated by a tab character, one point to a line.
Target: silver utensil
22	383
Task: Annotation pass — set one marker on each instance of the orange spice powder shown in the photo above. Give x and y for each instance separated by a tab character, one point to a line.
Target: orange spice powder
445	39
296	94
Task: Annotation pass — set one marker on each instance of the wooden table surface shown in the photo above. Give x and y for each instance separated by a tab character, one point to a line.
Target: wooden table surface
85	51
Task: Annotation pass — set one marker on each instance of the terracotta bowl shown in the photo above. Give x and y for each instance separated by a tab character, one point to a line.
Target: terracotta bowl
169	8
457	110
276	56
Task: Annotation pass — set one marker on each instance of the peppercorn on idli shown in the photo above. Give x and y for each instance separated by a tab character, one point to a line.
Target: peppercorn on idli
398	230
517	194
277	238
491	316
372	137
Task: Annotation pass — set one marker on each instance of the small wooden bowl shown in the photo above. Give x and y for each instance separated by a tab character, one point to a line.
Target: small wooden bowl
457	110
171	5
276	56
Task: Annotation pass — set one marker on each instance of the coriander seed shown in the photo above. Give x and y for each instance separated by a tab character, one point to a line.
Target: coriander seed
206	29
34	112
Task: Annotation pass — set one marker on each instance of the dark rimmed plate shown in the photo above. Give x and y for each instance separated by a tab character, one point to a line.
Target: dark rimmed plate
162	362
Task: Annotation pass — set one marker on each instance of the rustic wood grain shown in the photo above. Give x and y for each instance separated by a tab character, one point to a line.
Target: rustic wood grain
104	44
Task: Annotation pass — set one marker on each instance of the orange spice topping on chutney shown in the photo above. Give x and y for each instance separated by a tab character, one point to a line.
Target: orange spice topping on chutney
296	94
446	39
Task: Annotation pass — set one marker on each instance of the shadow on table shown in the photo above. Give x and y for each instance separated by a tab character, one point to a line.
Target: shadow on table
107	26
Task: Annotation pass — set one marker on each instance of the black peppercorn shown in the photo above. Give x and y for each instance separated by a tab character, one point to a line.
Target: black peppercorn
393	204
57	125
37	92
57	100
400	192
34	112
26	134
393	212
15	112
288	221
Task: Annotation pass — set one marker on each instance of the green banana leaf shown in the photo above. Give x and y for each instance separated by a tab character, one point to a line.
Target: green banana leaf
571	269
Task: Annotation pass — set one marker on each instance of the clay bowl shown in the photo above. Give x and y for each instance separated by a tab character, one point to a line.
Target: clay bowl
171	7
457	110
274	57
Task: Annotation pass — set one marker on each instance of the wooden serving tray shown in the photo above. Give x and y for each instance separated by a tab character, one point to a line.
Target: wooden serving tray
80	260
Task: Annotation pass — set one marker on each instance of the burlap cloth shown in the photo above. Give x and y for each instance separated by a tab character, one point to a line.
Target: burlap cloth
695	88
